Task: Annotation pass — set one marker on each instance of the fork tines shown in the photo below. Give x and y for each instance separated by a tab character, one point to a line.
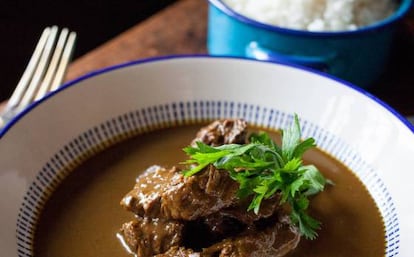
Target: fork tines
46	68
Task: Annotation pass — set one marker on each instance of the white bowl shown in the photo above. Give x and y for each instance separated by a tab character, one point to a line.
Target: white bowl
110	105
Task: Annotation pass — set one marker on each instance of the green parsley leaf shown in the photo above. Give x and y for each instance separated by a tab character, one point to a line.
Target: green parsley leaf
291	139
263	169
307	225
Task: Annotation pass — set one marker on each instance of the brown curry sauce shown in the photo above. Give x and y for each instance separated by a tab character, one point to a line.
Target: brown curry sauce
83	216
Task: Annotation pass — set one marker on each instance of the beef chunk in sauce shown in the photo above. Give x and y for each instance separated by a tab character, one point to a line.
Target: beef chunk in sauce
162	193
276	241
159	192
146	237
232	220
222	132
145	199
179	252
238	211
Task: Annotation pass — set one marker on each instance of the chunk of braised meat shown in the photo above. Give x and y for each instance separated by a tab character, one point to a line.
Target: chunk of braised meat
276	241
222	132
179	252
231	220
162	193
145	199
146	237
221	226
268	207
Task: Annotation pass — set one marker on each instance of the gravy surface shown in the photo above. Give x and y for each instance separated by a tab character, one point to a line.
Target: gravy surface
83	216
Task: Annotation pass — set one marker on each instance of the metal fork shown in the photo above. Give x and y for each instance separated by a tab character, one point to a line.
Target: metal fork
44	72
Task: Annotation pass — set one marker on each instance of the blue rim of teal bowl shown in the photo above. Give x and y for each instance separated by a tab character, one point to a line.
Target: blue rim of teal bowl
75	82
403	9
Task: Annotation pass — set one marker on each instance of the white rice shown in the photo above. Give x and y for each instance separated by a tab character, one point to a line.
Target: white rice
315	15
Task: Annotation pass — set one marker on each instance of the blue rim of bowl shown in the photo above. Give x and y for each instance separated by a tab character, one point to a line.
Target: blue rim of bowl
403	9
98	72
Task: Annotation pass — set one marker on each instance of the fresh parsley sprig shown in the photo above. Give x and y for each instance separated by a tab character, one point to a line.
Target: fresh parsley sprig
262	169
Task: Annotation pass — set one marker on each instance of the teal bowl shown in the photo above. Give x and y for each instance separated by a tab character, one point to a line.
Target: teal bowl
358	56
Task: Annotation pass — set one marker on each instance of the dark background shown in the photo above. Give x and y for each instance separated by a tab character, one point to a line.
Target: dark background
95	21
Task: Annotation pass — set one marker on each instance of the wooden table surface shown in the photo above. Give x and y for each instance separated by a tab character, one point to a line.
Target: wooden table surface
181	29
178	29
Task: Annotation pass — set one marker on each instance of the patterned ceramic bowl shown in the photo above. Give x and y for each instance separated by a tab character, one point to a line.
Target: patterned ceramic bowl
41	145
